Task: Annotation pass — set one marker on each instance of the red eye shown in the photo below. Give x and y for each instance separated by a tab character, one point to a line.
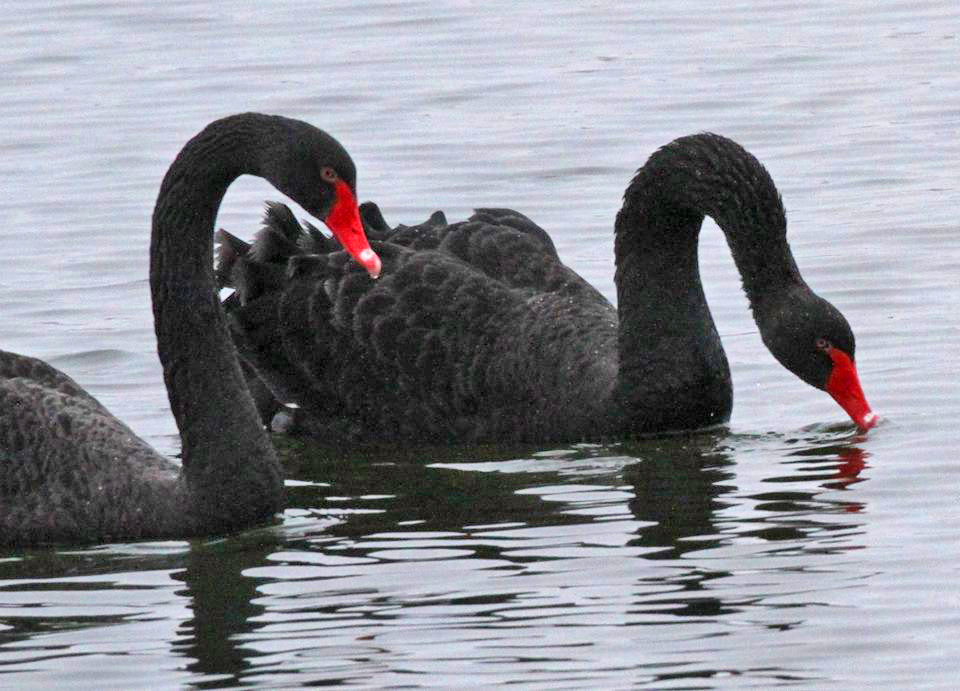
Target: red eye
824	344
329	174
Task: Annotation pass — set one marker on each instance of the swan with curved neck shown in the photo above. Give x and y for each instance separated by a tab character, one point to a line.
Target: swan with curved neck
661	302
69	470
477	332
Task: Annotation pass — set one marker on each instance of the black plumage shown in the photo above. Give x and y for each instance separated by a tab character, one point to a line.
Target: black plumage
477	332
72	472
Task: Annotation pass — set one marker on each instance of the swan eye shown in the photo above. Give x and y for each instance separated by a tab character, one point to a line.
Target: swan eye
329	174
823	344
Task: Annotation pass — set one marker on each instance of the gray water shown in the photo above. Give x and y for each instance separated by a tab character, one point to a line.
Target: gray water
785	550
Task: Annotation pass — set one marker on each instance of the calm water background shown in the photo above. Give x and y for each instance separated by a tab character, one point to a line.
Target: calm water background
783	551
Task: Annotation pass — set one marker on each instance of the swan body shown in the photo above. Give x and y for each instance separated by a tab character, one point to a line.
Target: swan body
69	470
477	332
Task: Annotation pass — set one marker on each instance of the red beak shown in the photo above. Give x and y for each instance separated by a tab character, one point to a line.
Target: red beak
844	385
344	221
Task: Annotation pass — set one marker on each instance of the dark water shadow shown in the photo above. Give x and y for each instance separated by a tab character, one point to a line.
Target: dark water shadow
683	494
225	608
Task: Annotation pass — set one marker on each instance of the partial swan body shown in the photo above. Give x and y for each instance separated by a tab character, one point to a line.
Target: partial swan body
477	332
70	471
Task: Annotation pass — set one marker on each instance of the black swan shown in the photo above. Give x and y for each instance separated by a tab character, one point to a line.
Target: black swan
478	333
70	471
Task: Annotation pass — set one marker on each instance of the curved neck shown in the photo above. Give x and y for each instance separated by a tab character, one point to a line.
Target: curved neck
672	361
229	463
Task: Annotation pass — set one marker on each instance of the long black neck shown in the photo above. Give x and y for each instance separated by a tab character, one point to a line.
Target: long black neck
673	371
230	466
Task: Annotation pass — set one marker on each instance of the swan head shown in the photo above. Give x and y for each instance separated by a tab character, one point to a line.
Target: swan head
313	169
812	339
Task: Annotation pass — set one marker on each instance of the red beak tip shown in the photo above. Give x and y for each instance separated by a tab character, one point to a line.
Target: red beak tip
371	262
868	421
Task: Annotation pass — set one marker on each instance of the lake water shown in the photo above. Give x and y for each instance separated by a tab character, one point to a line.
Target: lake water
784	550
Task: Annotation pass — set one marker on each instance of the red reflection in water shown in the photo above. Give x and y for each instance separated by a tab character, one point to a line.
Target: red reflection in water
852	461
